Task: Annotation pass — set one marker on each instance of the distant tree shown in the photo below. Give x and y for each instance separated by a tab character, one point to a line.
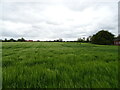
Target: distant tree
21	40
83	39
80	40
88	40
118	37
58	40
38	40
11	40
5	40
103	37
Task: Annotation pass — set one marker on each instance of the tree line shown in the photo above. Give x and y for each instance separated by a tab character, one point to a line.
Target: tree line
102	37
13	40
57	40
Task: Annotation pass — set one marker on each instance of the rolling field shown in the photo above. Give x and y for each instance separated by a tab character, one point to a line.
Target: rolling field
59	65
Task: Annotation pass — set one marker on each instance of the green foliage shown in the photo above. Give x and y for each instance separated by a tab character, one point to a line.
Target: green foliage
81	40
58	40
103	38
21	40
59	65
12	40
5	39
118	37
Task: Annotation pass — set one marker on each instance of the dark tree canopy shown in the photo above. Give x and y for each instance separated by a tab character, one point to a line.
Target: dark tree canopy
103	38
12	40
58	40
21	40
118	37
81	39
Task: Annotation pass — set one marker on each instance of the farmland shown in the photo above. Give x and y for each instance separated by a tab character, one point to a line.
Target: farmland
59	65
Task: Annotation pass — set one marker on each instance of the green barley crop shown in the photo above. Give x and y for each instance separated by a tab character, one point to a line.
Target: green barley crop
59	65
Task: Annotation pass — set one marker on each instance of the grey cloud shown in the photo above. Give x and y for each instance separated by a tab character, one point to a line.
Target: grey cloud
23	12
53	23
7	33
45	24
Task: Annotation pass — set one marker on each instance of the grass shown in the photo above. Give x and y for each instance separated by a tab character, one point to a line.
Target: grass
59	65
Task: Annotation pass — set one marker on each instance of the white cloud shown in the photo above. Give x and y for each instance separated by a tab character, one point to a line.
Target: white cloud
52	19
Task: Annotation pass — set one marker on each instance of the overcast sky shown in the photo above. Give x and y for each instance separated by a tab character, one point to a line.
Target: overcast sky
53	19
